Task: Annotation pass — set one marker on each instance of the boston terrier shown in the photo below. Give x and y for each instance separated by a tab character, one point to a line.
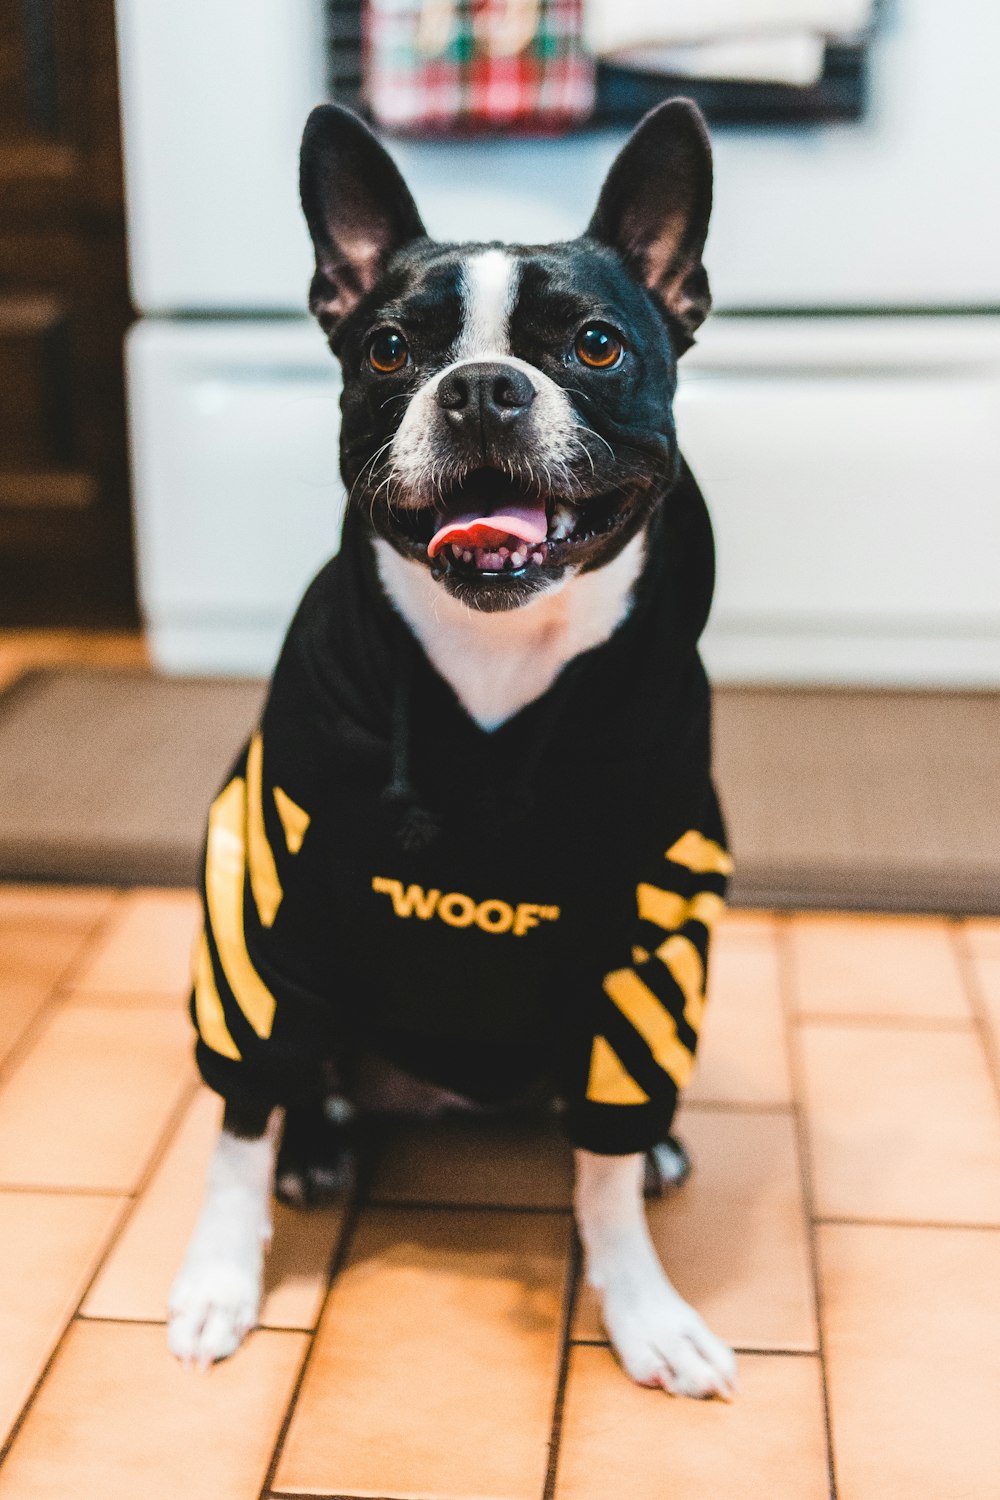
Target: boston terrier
473	851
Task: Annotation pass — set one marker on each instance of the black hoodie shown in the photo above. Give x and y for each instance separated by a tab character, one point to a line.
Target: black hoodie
484	909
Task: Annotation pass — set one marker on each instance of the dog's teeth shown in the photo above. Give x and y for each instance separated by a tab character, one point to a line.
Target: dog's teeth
518	559
467	557
456	550
563	523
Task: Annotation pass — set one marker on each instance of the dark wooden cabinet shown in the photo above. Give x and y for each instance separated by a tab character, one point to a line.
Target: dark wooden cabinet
65	534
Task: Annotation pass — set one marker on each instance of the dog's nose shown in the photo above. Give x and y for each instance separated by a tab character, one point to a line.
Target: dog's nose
483	401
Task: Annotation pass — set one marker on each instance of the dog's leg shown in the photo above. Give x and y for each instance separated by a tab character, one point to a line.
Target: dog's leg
659	1339
215	1299
316	1157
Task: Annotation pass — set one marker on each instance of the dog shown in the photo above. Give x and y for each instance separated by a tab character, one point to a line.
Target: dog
473	849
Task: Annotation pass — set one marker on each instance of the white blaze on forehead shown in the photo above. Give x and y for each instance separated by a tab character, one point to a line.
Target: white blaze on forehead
489	289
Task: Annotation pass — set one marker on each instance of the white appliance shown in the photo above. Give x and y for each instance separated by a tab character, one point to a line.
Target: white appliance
851	456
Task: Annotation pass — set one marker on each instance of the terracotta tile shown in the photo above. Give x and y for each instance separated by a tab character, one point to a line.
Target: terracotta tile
126	999
62	905
49	1246
981	936
734	1238
88	1103
147	947
743	1054
985	973
903	1125
43	931
875	966
135	1281
516	1163
18	1008
912	1335
748	921
769	1443
434	1371
118	1418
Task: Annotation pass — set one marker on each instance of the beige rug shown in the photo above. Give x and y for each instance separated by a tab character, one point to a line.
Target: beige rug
888	801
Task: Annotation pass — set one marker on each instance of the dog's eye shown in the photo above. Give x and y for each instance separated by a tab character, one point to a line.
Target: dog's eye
387	351
598	346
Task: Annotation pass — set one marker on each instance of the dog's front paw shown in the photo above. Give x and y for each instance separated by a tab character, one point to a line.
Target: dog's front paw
214	1304
661	1341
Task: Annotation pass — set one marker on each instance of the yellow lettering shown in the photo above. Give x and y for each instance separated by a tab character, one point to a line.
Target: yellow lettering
526	916
457	910
413	899
494	916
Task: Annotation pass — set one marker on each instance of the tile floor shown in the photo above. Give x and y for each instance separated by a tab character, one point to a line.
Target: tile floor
842	1228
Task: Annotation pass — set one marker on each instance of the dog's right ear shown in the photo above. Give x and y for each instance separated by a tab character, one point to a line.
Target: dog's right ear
358	208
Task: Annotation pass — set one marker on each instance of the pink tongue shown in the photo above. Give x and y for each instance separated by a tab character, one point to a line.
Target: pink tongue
528	522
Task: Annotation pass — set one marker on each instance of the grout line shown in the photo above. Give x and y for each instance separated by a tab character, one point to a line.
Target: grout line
855	1020
854	1223
420	1205
128	1209
58	1344
786	989
973	991
97	934
772	1353
573	1273
160	1147
352	1216
61	1190
728	1107
25	1043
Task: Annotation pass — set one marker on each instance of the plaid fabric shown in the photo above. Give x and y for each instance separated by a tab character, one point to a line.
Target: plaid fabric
450	65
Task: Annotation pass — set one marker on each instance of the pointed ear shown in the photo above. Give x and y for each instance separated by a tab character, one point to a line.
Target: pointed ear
358	208
654	210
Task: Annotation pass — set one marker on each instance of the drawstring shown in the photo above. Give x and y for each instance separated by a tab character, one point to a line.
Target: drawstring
417	827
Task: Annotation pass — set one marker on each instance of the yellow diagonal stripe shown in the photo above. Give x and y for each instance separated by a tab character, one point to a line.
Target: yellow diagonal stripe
264	882
224	891
684	962
703	856
670	911
665	908
609	1081
208	1010
294	820
652	1021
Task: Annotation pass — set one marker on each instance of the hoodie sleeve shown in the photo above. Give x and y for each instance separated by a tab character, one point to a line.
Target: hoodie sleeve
258	1030
638	1053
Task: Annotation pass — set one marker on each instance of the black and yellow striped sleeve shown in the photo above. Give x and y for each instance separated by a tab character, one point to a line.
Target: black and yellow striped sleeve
253	829
641	1052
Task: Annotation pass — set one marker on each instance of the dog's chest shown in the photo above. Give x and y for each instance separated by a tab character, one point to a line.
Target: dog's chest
496	664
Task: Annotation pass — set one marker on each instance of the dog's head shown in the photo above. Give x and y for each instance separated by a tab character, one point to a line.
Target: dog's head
507	409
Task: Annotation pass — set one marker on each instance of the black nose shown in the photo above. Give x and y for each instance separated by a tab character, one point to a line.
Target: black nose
484	401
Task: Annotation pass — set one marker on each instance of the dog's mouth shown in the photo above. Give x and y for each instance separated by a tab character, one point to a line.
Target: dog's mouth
489	524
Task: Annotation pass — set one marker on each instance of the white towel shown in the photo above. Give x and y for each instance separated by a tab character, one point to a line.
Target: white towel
620	25
795	59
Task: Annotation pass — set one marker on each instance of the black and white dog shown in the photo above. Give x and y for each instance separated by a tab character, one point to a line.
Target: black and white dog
508	638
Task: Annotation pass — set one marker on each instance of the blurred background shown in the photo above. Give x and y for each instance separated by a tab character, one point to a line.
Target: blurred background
841	408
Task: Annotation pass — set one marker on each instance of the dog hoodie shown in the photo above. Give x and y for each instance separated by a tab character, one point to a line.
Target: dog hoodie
488	910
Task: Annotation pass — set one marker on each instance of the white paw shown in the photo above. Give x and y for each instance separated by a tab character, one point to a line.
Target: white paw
214	1304
660	1340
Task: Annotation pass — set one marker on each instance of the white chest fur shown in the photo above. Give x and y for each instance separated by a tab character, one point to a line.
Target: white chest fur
498	663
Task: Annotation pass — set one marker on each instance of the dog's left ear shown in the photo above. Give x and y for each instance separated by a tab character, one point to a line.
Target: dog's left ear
654	210
358	208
